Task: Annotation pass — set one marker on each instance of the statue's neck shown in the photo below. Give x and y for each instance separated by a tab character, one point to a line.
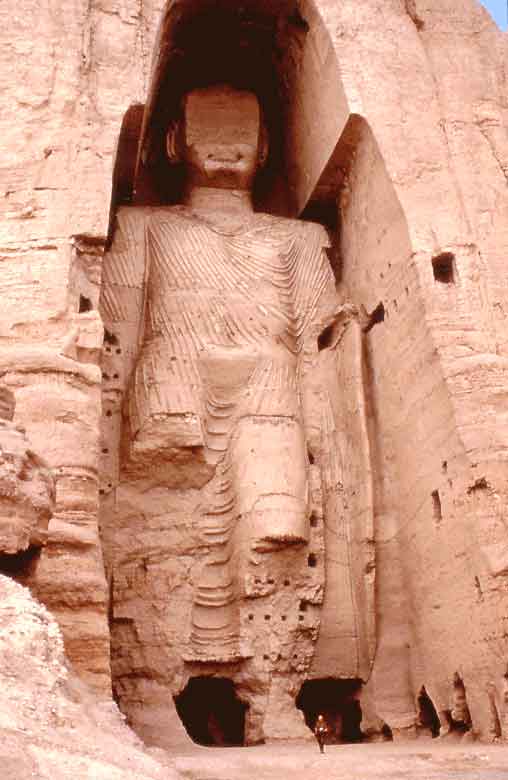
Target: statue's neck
211	200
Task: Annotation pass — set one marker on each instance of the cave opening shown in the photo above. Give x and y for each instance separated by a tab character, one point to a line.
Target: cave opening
339	702
211	712
21	565
428	718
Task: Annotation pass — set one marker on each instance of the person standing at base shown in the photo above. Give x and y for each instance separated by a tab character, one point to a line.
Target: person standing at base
320	732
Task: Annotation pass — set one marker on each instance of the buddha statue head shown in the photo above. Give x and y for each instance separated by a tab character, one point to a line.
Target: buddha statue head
220	137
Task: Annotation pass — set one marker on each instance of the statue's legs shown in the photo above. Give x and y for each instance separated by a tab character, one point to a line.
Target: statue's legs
270	476
257	502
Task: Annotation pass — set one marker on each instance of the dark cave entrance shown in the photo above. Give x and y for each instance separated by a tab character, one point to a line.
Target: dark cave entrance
211	712
20	565
339	702
428	718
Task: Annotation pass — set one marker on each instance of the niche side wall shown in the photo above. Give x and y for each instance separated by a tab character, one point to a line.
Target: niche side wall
424	589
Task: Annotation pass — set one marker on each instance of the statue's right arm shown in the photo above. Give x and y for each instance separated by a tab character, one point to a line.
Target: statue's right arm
122	308
122	302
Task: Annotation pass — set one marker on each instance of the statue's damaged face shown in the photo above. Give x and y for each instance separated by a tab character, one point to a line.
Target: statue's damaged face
222	131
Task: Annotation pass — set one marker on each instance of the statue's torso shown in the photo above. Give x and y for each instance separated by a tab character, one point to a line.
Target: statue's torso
231	289
222	310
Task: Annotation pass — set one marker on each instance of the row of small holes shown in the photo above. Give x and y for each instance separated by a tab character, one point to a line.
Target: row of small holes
283	617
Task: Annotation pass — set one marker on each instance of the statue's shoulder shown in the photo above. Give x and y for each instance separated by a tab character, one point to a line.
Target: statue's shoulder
315	230
133	214
145	215
309	231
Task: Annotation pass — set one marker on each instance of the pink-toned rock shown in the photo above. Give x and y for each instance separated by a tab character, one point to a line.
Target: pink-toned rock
51	724
27	489
391	130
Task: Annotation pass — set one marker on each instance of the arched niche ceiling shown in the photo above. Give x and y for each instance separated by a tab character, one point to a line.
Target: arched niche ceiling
278	48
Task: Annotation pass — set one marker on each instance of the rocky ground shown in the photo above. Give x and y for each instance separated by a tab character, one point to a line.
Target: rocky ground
421	760
52	728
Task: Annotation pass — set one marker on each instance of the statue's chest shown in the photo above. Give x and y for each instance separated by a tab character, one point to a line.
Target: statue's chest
200	259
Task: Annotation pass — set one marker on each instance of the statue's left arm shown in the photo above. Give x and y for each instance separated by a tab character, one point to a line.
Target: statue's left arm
335	419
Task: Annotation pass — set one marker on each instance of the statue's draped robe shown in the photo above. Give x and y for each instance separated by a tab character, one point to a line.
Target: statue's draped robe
213	326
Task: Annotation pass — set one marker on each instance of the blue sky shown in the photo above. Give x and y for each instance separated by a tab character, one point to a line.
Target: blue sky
498	9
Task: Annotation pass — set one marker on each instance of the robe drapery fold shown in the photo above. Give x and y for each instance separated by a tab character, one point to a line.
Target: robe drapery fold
214	325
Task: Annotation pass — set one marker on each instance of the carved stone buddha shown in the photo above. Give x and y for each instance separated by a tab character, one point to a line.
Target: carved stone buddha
212	314
219	301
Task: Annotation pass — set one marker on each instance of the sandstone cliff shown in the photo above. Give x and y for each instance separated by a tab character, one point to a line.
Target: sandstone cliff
51	726
420	162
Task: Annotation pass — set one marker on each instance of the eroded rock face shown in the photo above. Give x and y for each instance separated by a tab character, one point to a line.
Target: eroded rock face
415	154
51	725
27	488
58	403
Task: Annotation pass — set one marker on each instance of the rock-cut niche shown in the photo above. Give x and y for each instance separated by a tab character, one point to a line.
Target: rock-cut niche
212	300
211	712
339	703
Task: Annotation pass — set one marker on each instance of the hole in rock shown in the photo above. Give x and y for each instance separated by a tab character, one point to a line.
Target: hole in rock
436	506
20	565
325	339
211	711
428	718
312	560
109	338
443	266
85	304
377	316
479	484
495	720
339	702
312	459
313	521
460	717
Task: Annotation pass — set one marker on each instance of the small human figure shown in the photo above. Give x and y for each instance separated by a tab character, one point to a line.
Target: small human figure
320	731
